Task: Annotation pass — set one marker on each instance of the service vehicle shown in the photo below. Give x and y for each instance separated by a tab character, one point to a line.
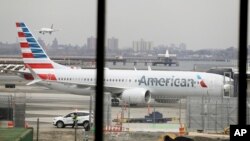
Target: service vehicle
67	120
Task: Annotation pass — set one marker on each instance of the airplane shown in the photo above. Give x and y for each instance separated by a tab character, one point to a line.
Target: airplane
130	86
47	30
166	55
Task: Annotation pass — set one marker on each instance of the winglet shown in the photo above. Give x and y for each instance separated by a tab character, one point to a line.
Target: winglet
36	77
33	82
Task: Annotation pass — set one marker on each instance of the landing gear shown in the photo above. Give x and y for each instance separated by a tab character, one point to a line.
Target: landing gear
115	102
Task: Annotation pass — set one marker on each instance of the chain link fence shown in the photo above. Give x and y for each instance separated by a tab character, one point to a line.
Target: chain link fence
212	114
12	108
6	109
19	109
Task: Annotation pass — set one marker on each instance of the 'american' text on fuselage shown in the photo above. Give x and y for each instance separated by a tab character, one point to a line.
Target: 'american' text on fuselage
177	82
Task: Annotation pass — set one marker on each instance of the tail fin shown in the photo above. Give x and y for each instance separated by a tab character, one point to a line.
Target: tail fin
166	54
51	26
33	54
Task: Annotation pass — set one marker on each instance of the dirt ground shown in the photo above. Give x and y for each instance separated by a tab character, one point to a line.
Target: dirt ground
59	135
68	134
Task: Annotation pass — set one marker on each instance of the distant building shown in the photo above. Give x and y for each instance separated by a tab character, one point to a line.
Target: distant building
42	43
54	43
182	46
91	42
142	46
112	43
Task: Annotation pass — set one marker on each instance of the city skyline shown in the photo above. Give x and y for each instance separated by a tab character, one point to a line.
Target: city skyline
197	23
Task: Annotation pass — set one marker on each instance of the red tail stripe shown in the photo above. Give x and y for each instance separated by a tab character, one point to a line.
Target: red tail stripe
24	45
21	34
28	76
27	55
40	66
47	76
17	24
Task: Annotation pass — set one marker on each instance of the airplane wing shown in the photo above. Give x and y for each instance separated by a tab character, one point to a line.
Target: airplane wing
56	30
107	88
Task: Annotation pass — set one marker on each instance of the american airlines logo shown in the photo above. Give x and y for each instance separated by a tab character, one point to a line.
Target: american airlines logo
201	82
177	82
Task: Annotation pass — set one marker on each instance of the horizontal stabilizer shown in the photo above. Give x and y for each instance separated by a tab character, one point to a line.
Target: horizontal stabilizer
36	77
33	82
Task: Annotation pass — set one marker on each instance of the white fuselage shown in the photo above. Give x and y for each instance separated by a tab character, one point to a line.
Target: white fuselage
46	30
159	83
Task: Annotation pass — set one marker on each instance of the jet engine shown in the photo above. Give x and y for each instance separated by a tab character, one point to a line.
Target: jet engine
136	96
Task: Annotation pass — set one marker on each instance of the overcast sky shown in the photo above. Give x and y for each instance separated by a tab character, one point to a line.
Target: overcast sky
197	23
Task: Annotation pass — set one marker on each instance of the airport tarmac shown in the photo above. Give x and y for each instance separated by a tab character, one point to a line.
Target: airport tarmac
41	100
46	104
